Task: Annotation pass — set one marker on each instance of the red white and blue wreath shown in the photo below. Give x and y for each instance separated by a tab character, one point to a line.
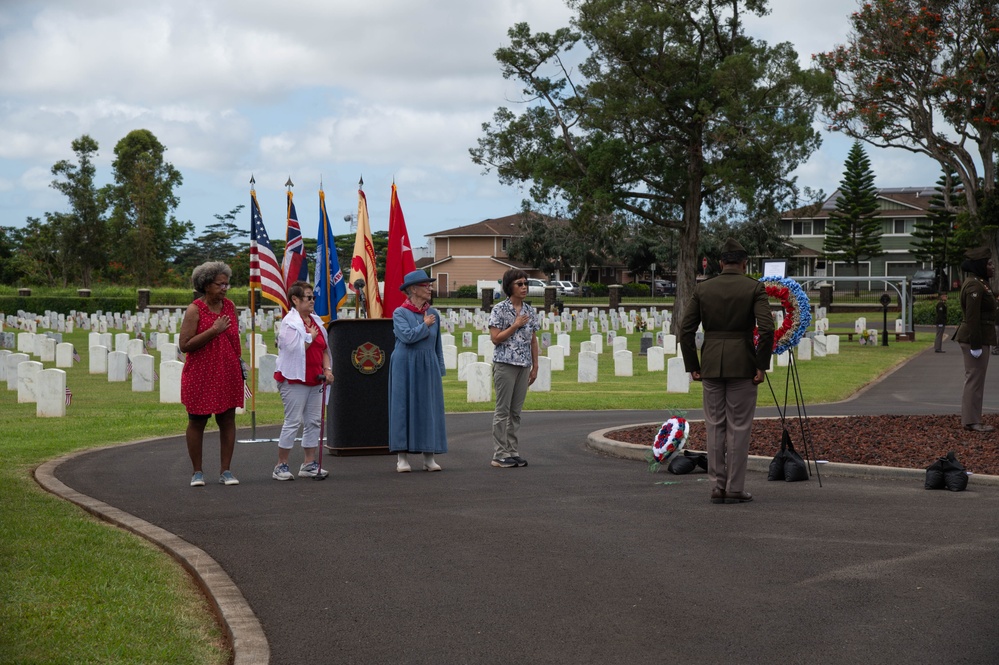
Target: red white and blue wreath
669	441
797	312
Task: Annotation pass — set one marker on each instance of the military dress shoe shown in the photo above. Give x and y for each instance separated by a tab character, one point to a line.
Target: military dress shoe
717	496
978	427
738	497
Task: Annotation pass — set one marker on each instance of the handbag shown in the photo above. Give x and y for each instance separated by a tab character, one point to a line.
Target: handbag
787	464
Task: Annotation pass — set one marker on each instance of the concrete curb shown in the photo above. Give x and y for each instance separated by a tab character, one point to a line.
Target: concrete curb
240	625
599	442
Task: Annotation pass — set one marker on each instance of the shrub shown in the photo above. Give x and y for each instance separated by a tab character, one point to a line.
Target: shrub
634	289
465	291
595	289
924	312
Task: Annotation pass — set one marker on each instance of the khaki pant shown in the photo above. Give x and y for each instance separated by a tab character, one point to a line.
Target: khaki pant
974	384
729	407
511	383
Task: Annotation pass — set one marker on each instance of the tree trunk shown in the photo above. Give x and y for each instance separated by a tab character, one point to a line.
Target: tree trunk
687	263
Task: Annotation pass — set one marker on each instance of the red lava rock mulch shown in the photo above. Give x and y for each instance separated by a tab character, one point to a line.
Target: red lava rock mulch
912	442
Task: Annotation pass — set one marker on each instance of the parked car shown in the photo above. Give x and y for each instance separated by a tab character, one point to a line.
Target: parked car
565	288
661	287
535	289
924	281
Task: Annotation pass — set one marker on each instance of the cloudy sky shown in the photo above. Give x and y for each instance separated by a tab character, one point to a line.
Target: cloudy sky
310	89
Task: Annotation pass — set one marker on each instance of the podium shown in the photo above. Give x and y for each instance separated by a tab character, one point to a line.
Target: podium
357	414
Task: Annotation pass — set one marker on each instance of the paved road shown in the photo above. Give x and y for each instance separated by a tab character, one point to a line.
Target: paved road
581	558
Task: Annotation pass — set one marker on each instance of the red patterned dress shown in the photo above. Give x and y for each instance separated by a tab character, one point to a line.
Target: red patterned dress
212	381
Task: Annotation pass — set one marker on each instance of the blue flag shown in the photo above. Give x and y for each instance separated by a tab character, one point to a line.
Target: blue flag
330	289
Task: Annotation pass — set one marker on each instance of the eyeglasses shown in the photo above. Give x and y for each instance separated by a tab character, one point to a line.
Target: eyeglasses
221	285
520	283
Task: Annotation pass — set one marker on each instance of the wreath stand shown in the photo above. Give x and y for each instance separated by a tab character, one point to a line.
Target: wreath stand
793	382
797	311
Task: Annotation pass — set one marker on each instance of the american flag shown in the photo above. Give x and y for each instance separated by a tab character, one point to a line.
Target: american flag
69	396
128	367
76	356
265	272
294	267
247	395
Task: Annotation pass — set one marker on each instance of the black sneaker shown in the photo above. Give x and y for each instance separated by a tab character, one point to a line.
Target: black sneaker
505	463
519	460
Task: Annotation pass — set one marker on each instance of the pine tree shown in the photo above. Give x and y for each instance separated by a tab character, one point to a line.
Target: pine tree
853	233
936	239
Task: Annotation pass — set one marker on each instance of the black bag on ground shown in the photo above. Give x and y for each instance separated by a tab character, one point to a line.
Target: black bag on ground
787	463
681	464
955	475
935	475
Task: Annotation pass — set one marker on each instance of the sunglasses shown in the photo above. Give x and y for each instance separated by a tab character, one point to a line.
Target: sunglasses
520	283
306	297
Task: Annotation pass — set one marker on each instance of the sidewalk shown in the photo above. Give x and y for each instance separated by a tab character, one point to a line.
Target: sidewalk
581	558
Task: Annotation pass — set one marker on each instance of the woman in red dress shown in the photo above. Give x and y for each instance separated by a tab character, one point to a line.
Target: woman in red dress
212	381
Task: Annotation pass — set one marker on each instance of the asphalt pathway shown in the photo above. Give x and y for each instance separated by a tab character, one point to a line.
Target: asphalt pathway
581	558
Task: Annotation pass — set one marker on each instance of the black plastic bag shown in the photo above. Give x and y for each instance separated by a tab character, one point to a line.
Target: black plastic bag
787	464
688	462
935	475
955	476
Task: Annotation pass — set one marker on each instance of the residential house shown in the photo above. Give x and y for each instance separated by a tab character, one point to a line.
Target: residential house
466	254
899	210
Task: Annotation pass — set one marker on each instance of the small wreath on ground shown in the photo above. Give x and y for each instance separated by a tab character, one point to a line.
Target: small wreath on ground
797	312
669	441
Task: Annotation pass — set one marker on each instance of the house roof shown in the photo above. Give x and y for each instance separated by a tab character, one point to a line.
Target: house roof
894	201
503	226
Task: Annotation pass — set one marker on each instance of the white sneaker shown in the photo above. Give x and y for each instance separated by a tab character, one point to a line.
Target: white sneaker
402	466
282	472
311	470
429	464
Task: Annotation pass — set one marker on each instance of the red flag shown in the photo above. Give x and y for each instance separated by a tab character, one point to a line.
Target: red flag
398	258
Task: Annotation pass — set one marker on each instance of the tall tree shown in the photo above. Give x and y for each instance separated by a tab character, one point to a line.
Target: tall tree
937	239
143	199
675	110
923	76
853	233
81	234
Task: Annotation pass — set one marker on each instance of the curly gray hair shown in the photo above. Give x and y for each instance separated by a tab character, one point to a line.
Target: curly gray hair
206	273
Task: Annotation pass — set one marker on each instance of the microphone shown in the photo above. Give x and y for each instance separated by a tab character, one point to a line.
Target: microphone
359	283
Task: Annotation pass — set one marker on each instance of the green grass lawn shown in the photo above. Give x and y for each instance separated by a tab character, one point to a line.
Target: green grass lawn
74	590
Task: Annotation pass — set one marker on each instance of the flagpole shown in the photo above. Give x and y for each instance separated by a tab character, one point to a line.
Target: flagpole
253	350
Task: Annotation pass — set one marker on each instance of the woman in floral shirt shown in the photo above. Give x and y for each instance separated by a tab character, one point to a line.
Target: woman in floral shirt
512	327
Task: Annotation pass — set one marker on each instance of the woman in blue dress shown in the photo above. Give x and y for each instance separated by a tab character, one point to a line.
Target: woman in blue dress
416	393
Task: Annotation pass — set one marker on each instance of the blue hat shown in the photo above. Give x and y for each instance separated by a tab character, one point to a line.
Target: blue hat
416	277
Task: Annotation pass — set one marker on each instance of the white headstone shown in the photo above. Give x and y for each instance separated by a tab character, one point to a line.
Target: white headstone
485	345
450	356
819	346
677	377
46	349
860	324
98	359
784	359
27	381
25	342
566	343
161	339
655	359
620	344
588	347
623	363
598	344
64	355
587	371
168	351
170	372
3	363
117	366
143	380
134	347
260	352
832	344
107	341
12	363
805	349
556	357
480	382
51	401
265	375
543	383
465	359
93	339
899	326
669	345
446	339
121	342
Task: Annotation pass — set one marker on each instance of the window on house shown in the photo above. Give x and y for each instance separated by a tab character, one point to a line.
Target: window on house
902	226
802	227
819	227
504	244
